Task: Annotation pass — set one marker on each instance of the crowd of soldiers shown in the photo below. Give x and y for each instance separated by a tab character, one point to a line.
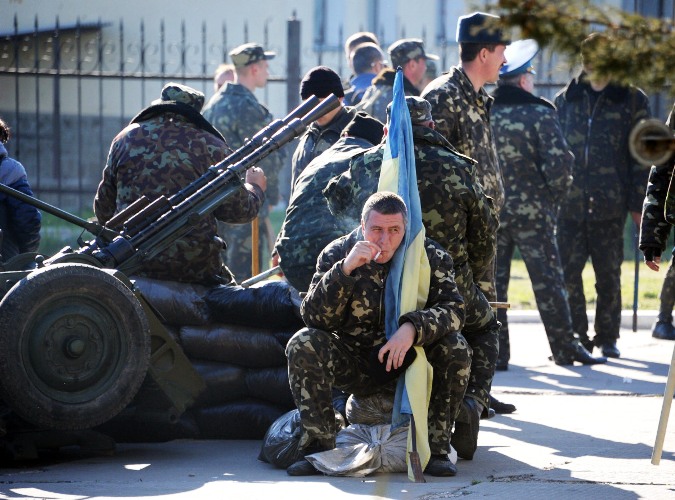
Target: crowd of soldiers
495	172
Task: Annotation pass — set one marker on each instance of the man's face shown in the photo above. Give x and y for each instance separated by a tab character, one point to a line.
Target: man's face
262	73
415	70
386	231
494	61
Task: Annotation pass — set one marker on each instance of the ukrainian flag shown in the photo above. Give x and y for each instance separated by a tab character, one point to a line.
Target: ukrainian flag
407	286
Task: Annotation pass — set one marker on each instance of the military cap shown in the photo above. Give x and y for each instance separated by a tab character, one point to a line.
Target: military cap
249	53
480	27
407	49
420	109
176	92
519	57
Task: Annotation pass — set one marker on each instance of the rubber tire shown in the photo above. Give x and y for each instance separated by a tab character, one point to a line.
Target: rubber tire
74	347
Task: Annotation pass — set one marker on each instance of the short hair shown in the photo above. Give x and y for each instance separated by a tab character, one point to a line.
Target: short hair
364	56
5	132
357	39
386	203
595	46
469	51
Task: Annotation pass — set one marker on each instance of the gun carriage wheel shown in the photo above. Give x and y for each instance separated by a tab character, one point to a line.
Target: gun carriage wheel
74	346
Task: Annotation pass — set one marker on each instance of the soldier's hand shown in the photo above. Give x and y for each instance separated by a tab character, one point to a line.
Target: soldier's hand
397	346
361	253
652	257
255	175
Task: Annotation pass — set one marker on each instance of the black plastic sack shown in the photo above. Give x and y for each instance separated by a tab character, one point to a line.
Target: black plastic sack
224	382
270	384
280	444
240	345
177	303
269	304
243	419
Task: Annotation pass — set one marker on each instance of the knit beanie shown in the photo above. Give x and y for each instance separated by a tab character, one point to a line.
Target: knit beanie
321	81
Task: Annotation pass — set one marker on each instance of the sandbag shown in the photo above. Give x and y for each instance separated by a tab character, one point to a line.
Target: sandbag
268	304
243	419
270	384
224	382
177	303
128	427
280	444
363	449
373	409
239	345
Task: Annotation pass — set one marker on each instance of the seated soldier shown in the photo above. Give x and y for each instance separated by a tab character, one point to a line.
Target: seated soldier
344	313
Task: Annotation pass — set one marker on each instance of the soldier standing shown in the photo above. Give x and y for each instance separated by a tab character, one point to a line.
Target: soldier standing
166	146
409	54
597	117
537	169
237	114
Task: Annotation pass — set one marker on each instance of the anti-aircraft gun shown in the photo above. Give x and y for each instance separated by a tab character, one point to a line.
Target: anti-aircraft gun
77	339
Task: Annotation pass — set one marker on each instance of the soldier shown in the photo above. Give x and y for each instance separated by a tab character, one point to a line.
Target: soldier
308	225
597	117
409	54
356	39
654	231
537	166
368	60
344	345
237	114
166	146
457	214
321	82
20	222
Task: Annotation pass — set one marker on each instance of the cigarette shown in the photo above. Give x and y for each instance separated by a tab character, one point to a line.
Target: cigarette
377	255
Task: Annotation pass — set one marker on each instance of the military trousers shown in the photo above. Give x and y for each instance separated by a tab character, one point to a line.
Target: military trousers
602	242
539	250
667	295
319	361
481	331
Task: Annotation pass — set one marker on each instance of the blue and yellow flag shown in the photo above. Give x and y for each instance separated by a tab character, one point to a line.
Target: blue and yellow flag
407	286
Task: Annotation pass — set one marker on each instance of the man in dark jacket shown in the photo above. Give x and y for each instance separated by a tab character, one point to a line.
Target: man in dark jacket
344	314
597	117
19	221
537	166
654	231
165	147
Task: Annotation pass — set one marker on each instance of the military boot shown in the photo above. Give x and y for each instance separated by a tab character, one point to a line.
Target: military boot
663	328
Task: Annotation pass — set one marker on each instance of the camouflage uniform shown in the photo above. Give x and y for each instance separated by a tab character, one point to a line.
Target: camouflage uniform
657	218
316	140
607	184
345	320
462	116
458	216
163	149
537	167
238	115
376	97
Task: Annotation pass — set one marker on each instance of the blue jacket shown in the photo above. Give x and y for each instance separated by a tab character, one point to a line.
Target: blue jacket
19	221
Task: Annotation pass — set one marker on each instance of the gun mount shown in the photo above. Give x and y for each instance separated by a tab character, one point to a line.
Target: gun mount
78	339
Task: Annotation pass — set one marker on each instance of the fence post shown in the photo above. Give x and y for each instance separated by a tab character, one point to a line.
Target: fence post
293	63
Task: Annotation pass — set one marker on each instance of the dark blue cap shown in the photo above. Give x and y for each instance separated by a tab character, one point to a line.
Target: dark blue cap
480	27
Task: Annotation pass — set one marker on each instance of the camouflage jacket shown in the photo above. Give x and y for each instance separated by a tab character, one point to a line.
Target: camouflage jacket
308	225
455	211
376	97
658	210
462	116
160	155
608	182
238	115
534	157
318	139
352	307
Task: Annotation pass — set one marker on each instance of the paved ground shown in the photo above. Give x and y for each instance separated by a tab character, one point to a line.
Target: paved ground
579	432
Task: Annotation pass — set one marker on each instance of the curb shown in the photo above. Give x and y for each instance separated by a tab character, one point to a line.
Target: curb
645	319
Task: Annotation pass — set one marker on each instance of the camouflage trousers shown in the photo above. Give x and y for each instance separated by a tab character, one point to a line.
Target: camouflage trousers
481	331
319	361
667	295
539	251
602	242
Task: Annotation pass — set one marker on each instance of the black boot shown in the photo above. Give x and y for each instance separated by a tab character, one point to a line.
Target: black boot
663	329
465	436
581	355
501	408
303	467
